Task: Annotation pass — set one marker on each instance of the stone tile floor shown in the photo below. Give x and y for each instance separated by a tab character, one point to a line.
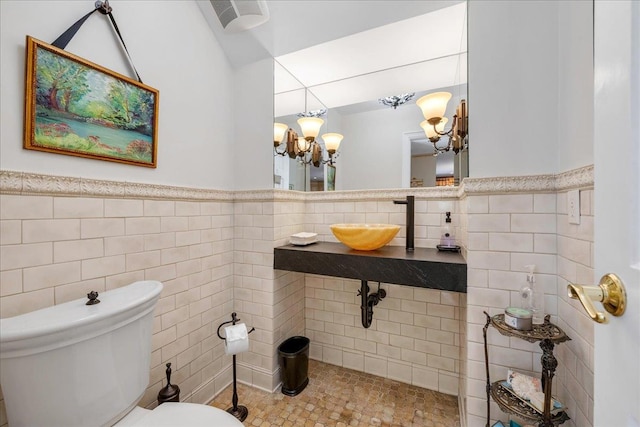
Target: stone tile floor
338	396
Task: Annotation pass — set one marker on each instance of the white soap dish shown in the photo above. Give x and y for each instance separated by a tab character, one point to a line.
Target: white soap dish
303	238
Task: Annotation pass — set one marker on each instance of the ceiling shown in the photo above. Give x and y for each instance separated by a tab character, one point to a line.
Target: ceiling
349	53
423	52
294	25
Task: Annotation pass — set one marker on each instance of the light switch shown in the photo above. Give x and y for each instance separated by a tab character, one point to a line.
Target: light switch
573	206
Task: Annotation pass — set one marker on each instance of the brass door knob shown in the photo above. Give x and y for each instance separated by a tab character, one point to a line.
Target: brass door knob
610	291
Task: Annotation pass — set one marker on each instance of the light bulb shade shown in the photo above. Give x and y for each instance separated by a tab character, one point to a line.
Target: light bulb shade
310	126
332	141
434	104
279	130
303	145
428	128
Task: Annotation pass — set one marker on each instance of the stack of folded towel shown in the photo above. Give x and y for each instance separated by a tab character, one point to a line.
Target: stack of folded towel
304	238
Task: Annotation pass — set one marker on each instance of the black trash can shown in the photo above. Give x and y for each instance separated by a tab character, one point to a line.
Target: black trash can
293	355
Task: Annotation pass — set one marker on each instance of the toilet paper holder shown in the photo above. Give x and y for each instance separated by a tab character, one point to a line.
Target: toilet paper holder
233	321
238	411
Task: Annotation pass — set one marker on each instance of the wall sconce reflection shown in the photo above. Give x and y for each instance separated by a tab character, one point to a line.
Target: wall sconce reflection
332	142
279	131
306	148
433	108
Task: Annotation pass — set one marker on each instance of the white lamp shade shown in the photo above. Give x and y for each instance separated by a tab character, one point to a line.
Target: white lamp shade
303	144
332	141
428	127
310	126
434	104
279	130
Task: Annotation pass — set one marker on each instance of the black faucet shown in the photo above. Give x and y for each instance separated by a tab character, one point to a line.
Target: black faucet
410	202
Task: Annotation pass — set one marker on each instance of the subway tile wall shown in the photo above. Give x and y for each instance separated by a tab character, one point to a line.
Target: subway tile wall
271	301
504	233
414	337
56	249
429	216
215	256
575	265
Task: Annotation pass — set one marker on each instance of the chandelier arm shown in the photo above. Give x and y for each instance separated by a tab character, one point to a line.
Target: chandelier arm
306	162
449	133
443	149
332	158
279	153
303	158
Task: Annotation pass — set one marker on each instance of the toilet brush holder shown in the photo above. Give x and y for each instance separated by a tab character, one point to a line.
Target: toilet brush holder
170	392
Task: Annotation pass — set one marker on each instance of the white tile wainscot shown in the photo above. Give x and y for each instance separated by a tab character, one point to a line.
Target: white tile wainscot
509	223
202	249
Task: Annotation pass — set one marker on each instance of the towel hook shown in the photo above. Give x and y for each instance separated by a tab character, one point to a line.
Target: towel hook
103	7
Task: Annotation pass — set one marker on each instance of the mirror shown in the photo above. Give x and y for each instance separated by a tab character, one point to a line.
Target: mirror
289	173
383	146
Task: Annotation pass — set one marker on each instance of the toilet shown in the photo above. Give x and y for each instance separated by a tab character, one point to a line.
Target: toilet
83	365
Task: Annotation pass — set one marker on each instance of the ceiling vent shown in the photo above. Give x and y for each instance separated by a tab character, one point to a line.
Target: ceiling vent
240	15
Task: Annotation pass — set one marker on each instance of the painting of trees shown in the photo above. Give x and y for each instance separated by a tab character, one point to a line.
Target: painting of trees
60	83
129	107
80	107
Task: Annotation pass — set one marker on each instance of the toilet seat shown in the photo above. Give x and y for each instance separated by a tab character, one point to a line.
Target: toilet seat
171	414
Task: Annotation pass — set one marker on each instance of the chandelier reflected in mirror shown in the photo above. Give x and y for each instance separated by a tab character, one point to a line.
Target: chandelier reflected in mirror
394	101
306	148
434	106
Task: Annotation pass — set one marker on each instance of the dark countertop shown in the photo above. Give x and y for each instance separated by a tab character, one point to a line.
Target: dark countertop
424	267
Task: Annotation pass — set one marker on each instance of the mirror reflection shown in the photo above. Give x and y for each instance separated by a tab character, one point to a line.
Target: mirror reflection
300	158
375	88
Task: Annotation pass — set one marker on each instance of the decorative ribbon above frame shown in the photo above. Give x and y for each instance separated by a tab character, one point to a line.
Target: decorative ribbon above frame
104	8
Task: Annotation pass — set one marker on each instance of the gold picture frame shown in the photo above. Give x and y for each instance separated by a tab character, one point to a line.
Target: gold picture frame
78	108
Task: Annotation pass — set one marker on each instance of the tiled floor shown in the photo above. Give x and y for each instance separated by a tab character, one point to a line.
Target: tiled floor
338	396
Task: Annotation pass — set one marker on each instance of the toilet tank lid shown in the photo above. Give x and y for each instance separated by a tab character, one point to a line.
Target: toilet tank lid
74	314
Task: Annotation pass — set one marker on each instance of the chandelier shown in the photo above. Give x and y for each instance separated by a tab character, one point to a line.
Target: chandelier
306	148
394	101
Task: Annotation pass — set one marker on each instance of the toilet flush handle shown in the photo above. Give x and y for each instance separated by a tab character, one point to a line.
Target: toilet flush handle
610	291
93	298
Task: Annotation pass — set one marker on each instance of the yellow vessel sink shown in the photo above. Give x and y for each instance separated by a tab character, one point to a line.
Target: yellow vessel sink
365	237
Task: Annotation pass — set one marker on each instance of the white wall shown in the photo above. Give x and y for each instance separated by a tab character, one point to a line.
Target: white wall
185	64
513	87
371	152
575	85
253	123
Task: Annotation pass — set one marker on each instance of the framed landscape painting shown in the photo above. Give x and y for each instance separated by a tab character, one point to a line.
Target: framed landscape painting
78	108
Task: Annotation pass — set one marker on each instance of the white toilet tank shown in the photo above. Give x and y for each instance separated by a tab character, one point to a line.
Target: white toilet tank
78	365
